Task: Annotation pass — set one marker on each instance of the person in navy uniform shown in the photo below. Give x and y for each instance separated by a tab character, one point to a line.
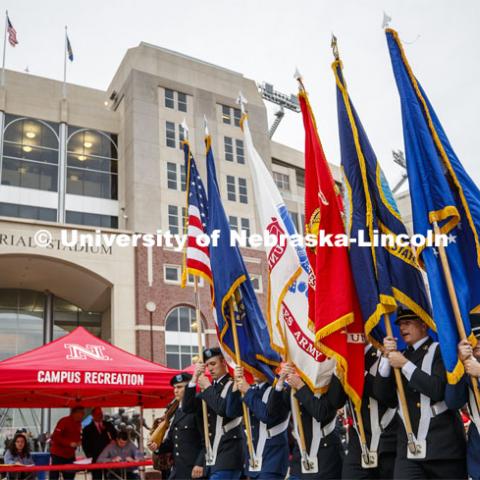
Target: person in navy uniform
380	424
439	433
185	436
461	394
318	416
269	430
226	459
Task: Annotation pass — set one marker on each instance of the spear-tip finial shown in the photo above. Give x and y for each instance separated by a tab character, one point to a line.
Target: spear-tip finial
242	101
185	128
386	20
334	45
299	78
205	123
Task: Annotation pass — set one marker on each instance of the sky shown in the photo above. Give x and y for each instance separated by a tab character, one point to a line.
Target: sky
266	40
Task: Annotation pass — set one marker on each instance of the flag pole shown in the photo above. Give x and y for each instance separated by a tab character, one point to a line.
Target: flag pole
238	361
199	329
65	66
4	49
198	319
401	394
454	301
388	326
296	409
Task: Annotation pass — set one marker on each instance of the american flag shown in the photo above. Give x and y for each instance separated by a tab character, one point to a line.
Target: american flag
197	257
12	33
69	50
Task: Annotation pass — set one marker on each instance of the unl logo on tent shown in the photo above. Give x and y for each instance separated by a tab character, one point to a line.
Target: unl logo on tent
77	352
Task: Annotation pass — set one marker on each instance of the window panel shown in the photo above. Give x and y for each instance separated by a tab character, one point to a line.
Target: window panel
226	115
28	211
169	100
91	184
31	132
173	223
172	175
182	102
257	283
228	142
231	190
245	224
170	134
181	136
91	219
233	221
282	181
183	178
237	114
172	273
294	217
28	174
242	190
240	151
92	143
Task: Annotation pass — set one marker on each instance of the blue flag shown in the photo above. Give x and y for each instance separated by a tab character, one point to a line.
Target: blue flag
385	276
231	280
69	49
441	191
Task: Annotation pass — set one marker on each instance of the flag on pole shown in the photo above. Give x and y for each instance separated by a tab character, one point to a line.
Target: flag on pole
333	303
288	270
196	256
69	49
231	280
12	33
385	276
441	192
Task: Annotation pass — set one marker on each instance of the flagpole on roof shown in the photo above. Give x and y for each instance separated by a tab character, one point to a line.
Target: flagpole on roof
4	49
65	65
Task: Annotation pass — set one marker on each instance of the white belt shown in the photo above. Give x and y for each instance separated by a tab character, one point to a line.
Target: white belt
220	429
264	434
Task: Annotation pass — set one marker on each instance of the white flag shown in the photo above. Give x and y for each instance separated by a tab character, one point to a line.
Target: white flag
288	268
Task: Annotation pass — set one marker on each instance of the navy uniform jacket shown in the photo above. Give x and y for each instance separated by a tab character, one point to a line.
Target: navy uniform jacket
93	442
276	451
185	441
388	438
456	397
324	410
230	451
446	436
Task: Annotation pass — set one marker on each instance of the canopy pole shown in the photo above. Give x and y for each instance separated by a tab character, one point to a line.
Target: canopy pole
141	445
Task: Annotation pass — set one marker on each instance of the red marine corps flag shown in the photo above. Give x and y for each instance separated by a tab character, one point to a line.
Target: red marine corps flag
334	310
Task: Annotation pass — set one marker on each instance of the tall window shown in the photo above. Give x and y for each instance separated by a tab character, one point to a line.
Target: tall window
240	151
170	134
242	190
30	153
231	115
232	189
174	173
239	155
228	142
176	218
294	217
173	98
180	338
92	163
282	181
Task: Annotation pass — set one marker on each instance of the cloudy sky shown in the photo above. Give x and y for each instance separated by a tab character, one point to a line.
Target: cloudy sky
265	40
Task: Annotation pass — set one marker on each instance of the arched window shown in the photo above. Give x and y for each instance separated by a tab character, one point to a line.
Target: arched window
30	153
181	341
92	163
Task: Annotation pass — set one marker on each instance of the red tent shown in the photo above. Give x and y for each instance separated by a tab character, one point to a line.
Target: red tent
81	369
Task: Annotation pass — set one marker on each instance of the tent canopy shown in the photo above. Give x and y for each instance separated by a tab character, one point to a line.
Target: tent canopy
81	369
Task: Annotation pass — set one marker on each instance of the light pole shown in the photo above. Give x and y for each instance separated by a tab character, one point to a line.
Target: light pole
151	307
